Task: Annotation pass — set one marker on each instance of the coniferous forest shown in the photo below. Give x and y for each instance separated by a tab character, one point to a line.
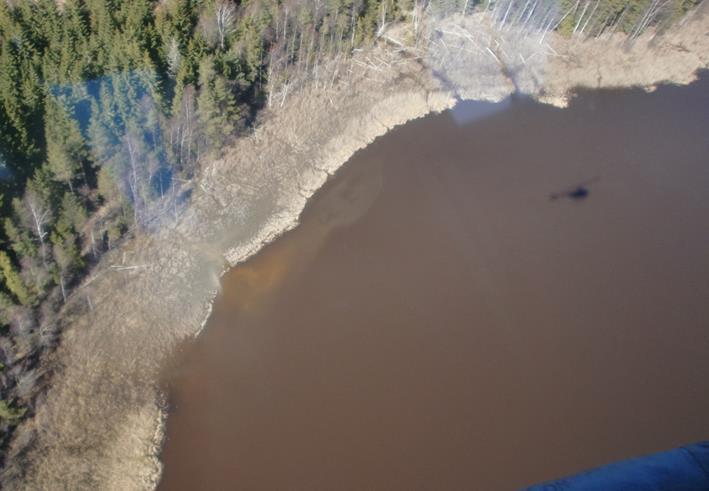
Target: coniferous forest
108	106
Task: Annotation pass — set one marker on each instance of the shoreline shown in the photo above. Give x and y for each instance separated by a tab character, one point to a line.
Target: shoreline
107	365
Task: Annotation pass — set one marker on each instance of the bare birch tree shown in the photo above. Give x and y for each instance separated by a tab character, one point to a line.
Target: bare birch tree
224	16
35	214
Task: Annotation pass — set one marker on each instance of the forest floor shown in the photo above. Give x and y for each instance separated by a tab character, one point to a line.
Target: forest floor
98	420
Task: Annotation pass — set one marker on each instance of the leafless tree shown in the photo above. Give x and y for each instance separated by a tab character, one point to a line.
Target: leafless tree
580	19
183	129
131	146
655	7
219	22
590	16
37	215
224	14
173	57
420	7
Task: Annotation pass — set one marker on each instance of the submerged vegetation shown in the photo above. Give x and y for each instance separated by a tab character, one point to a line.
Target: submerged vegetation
107	108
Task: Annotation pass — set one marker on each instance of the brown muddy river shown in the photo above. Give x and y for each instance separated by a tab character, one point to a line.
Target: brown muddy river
439	322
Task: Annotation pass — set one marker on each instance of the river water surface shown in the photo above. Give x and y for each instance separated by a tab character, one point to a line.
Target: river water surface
438	321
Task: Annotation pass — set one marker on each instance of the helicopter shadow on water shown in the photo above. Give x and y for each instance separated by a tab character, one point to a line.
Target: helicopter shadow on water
577	192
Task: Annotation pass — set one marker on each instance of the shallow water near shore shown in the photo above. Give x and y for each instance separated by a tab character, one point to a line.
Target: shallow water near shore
481	299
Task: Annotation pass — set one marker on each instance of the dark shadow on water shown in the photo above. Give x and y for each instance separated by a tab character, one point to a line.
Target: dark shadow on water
577	192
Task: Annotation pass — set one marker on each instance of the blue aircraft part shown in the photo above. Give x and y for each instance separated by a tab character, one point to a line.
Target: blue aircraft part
681	469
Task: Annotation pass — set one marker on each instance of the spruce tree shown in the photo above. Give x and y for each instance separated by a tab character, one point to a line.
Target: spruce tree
216	104
64	240
66	150
13	281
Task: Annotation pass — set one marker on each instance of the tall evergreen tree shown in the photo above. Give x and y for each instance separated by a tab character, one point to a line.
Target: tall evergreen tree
66	150
216	104
13	281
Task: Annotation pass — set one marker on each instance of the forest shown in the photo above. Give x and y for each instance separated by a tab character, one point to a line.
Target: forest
107	108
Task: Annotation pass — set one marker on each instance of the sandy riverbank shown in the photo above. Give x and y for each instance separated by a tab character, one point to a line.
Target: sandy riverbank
100	424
